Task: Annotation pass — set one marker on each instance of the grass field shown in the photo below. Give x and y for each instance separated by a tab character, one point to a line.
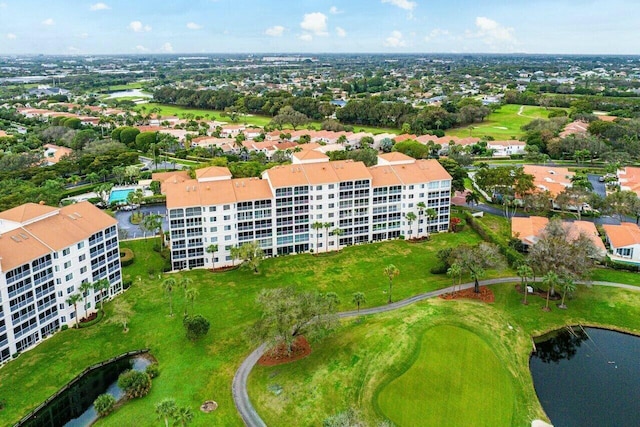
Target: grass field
378	364
446	370
194	372
255	120
504	123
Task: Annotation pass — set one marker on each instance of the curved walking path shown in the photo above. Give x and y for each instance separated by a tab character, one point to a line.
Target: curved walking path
239	386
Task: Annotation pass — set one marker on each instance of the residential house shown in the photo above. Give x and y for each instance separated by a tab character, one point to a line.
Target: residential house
623	240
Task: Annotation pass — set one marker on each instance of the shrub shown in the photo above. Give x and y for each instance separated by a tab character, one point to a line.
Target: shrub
196	326
153	370
64	327
513	257
134	383
439	269
104	404
126	257
126	284
99	316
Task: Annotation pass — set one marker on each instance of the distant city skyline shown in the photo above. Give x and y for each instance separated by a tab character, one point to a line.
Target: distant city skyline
319	26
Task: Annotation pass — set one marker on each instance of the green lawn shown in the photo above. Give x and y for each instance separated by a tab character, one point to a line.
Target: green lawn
433	363
440	386
196	372
251	119
504	123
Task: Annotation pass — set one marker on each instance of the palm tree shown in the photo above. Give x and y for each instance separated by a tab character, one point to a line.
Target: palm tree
391	271
326	227
185	282
85	287
212	249
168	285
101	286
183	416
358	299
166	409
421	208
235	254
317	226
190	295
550	280
568	285
430	214
337	232
455	271
524	272
410	217
471	198
73	300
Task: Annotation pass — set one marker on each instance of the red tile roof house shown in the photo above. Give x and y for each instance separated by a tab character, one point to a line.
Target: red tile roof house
624	241
529	229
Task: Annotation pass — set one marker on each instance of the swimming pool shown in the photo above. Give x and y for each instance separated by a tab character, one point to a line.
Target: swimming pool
119	196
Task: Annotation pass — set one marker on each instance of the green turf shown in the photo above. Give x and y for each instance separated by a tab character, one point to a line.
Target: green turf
250	119
452	369
504	123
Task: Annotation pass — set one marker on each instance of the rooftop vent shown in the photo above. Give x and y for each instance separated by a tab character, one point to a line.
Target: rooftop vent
15	239
77	214
24	236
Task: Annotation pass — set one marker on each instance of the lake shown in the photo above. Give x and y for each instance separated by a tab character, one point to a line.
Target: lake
588	377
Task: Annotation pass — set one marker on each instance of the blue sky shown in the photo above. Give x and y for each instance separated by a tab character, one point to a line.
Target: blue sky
229	26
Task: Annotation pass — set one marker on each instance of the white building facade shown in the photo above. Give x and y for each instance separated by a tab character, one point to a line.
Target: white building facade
354	204
46	254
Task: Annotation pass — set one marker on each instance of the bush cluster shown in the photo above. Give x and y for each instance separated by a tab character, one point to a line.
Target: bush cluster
126	257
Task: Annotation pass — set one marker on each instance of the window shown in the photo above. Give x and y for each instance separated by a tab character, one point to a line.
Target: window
69	290
332	205
227	228
227	217
213	229
67	264
319	216
227	237
68	277
212	219
332	196
80	245
83	270
331	186
331	215
318	206
227	207
212	208
227	248
82	258
318	197
66	252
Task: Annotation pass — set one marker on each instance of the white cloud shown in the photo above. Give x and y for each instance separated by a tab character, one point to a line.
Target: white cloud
493	33
306	37
335	11
141	48
166	48
436	33
99	6
395	39
194	26
316	23
11	36
48	21
84	35
402	4
341	32
3	5
139	27
275	31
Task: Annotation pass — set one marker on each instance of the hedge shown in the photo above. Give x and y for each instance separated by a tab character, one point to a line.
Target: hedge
99	316
616	265
126	257
514	258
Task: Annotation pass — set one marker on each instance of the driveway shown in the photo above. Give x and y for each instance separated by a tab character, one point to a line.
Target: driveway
134	231
598	187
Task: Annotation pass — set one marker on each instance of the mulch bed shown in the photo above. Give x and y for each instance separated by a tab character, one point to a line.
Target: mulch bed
418	239
91	317
485	295
223	269
279	355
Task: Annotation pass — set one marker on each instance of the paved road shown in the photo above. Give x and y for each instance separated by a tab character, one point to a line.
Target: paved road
598	187
148	162
241	398
132	231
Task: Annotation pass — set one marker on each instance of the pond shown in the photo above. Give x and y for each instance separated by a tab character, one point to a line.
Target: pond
72	406
588	377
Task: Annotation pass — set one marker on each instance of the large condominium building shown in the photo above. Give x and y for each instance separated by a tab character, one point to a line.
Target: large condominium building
354	204
46	253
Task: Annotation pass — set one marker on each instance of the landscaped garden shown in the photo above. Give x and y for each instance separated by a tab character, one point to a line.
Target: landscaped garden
358	366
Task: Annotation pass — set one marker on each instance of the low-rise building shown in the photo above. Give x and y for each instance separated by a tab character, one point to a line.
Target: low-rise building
623	240
46	253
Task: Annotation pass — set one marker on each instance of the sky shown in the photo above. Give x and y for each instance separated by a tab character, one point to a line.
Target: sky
319	26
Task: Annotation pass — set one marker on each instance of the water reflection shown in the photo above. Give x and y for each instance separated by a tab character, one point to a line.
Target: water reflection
559	345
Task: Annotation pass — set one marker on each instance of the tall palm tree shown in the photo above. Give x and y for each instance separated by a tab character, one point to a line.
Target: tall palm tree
391	271
101	286
524	272
455	271
317	226
471	198
430	214
168	285
337	232
568	285
358	299
421	208
212	249
73	300
410	217
235	254
166	409
84	289
550	280
185	282
326	227
190	296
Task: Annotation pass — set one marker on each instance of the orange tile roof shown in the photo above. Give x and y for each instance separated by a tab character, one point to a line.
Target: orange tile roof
58	153
587	228
213	172
528	229
310	155
625	234
164	176
553	179
420	171
216	192
395	156
59	229
629	178
383	176
348	170
286	176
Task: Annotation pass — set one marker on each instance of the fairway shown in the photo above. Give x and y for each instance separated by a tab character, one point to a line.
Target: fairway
504	123
456	380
